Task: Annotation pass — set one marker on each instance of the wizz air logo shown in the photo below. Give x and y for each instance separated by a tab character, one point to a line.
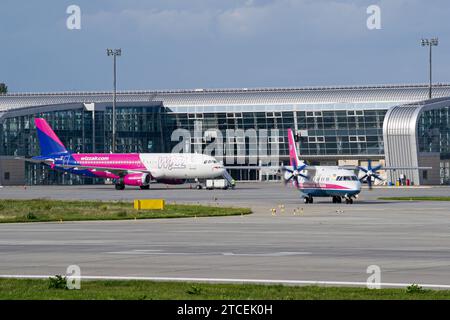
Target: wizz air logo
170	163
94	158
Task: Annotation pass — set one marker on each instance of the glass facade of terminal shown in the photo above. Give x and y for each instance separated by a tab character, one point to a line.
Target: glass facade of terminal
149	128
434	136
434	132
331	133
320	132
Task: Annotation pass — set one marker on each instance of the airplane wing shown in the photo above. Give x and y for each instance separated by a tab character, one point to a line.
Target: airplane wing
267	168
116	171
253	167
272	169
351	167
406	168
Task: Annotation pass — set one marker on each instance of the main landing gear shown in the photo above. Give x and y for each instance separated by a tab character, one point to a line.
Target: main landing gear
308	199
198	185
337	199
120	186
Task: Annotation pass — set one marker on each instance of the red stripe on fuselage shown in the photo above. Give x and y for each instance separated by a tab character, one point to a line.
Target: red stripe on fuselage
326	186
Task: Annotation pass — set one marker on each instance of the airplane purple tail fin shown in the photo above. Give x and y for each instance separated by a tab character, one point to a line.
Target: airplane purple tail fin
48	140
293	156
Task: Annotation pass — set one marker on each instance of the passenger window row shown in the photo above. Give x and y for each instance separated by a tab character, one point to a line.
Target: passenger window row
346	178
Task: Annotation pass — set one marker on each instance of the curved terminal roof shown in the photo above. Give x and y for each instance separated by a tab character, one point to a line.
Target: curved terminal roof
400	135
397	94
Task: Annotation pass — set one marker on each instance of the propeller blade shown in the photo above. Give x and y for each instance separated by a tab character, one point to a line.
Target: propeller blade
369	182
286	180
378	167
363	169
377	177
284	169
369	173
296	182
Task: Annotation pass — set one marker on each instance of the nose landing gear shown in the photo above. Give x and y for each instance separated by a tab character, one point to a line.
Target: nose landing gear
348	199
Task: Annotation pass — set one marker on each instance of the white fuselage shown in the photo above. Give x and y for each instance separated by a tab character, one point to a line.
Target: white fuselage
181	165
326	181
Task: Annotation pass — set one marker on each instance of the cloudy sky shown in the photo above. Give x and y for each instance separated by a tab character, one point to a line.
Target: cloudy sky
220	43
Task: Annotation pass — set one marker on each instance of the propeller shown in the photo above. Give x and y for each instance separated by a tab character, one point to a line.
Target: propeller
370	172
289	174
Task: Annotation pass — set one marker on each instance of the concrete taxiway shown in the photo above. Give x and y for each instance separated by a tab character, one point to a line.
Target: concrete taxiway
408	240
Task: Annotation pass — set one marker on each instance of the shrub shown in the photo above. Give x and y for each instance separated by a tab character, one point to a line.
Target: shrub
31	216
57	282
194	290
414	288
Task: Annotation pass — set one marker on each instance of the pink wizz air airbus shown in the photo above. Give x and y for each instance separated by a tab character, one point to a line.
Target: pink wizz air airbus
131	169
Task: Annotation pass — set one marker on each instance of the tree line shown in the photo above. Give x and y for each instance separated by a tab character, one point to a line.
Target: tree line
3	88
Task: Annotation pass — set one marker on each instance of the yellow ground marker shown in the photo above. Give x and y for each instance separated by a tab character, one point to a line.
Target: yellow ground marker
149	204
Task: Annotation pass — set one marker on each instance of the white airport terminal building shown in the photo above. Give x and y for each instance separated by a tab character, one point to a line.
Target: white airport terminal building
396	125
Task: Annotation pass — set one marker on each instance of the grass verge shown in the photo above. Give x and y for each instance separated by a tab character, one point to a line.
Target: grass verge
416	198
40	210
22	289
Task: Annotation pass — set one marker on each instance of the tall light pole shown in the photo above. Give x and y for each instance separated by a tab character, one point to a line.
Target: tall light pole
430	43
115	53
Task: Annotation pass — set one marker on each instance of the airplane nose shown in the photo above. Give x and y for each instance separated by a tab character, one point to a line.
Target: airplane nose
218	168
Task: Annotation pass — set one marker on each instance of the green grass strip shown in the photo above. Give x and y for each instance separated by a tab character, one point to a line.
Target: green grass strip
42	210
22	289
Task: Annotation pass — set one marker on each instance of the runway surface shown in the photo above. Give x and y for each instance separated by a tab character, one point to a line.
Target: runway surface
408	240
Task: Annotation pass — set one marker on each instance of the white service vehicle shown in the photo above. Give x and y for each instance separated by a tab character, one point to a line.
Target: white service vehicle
217	184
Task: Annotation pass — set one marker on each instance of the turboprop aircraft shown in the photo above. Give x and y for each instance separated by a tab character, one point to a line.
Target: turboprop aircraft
338	182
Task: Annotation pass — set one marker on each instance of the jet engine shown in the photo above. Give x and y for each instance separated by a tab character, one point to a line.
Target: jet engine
136	179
